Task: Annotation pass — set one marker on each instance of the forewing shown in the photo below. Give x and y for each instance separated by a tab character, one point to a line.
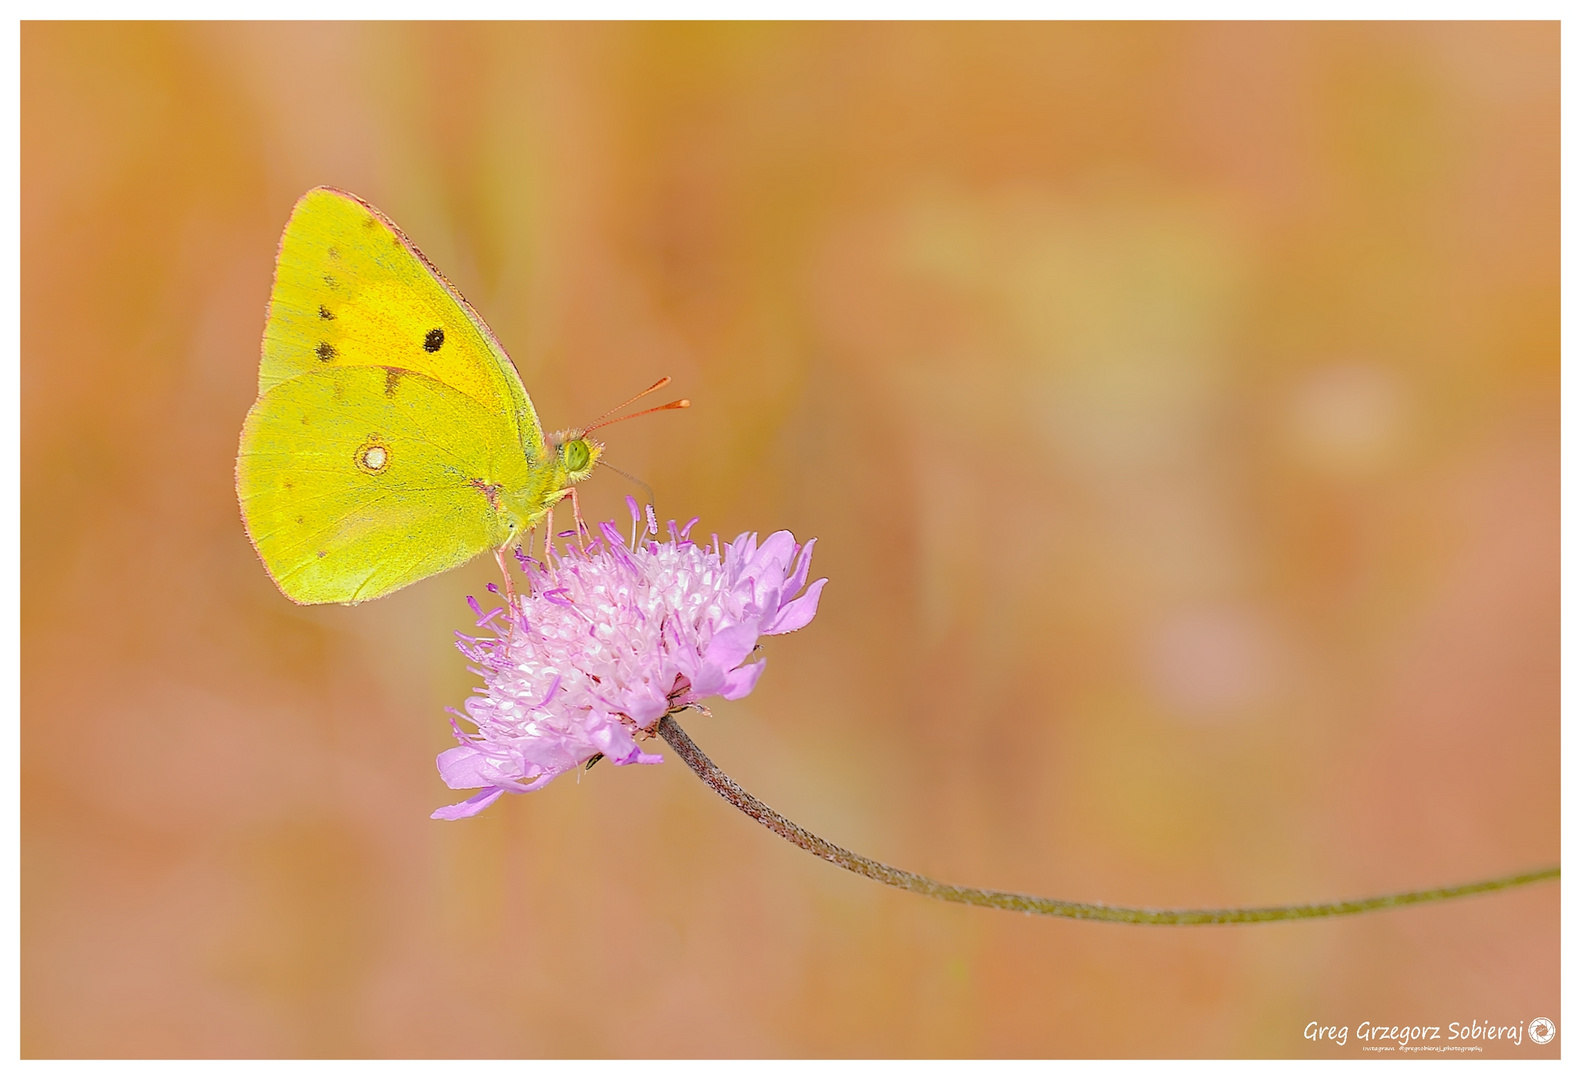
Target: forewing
351	290
357	481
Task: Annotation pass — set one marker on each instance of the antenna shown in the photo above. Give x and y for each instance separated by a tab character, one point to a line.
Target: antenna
635	397
642	484
679	403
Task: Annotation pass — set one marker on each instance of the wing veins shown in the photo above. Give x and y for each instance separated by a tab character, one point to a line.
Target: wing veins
380	497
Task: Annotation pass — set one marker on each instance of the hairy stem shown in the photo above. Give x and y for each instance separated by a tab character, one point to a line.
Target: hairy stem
1041	905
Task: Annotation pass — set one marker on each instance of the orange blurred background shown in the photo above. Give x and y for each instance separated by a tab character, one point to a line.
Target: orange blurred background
1177	410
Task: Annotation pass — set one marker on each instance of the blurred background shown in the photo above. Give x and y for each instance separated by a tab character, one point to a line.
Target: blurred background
1176	407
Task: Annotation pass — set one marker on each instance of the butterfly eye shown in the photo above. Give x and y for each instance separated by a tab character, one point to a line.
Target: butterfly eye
576	455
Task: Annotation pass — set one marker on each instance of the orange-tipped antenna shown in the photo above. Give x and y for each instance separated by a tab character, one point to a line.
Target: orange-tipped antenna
636	397
679	403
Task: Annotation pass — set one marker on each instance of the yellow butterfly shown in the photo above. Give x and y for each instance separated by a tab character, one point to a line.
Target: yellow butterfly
392	437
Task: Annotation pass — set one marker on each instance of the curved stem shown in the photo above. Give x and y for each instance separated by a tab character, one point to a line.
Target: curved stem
1040	905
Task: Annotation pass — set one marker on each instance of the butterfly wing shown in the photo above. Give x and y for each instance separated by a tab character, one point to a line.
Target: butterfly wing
355	481
351	290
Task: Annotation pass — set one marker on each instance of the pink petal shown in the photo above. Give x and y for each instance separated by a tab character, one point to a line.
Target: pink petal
645	705
465	809
794	583
744	546
731	645
637	757
465	767
469	767
767	570
778	549
611	739
739	683
799	612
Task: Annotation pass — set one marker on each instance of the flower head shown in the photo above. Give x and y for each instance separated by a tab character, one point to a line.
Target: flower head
608	640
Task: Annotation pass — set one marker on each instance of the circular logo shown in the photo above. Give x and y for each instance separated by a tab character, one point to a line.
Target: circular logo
1541	1030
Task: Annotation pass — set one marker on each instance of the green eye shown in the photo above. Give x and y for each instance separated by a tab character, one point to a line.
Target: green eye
576	455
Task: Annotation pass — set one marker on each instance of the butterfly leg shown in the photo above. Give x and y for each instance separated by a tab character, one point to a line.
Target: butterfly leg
510	589
581	526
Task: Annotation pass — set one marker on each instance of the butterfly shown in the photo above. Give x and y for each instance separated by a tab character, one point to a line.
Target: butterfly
392	438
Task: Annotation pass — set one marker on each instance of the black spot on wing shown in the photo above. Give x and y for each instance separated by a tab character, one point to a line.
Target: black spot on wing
324	312
435	340
325	351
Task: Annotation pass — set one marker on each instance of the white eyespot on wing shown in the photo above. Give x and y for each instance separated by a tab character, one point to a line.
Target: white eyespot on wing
373	457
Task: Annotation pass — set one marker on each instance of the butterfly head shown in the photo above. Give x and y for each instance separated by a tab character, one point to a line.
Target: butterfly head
575	456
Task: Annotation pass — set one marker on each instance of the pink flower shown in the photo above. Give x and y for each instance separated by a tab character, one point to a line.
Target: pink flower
609	639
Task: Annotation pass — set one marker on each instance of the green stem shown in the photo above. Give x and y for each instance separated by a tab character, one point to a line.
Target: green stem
1040	905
